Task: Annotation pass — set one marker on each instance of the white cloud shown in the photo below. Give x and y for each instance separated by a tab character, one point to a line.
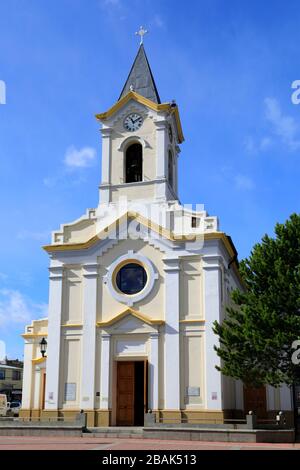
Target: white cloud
254	147
79	158
284	126
15	308
243	182
74	159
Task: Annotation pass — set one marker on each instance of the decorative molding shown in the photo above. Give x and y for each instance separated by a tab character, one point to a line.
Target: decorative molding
106	132
56	272
131	257
192	321
90	270
146	102
33	335
171	265
124	347
162	231
129	311
105	336
133	138
39	360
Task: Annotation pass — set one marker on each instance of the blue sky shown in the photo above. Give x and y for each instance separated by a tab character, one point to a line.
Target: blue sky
228	63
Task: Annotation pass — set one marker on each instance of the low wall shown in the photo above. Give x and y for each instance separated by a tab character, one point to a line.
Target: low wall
40	431
43	427
220	435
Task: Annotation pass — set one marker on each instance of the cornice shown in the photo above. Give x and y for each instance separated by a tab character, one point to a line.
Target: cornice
146	102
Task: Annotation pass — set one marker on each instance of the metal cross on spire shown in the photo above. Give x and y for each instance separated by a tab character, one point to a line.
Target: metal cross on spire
141	33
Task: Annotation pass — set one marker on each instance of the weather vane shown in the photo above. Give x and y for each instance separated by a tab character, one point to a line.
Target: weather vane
141	33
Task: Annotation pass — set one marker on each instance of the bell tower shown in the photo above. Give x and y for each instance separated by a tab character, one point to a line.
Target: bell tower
140	141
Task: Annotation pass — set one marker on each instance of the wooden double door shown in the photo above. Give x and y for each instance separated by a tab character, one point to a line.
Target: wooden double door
131	392
255	400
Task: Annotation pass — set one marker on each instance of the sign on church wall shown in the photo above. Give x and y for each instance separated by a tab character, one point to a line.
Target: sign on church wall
70	391
193	391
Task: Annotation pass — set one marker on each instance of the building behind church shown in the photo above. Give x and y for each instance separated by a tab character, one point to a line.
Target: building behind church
134	288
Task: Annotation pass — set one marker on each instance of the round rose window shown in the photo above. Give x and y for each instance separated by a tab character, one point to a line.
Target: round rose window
131	278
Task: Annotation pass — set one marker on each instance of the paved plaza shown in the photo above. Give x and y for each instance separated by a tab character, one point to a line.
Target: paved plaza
115	444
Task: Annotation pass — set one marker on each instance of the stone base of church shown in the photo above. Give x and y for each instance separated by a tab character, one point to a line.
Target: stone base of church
103	418
25	413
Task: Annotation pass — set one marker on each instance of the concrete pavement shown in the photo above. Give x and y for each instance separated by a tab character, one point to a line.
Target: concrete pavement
106	443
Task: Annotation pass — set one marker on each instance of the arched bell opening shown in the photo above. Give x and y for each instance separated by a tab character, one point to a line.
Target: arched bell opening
134	163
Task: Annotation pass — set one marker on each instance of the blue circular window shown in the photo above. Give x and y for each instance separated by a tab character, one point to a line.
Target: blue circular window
131	278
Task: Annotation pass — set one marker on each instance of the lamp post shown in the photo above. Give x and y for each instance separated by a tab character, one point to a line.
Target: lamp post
43	347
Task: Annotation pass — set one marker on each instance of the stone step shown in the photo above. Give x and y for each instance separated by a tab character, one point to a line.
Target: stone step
117	431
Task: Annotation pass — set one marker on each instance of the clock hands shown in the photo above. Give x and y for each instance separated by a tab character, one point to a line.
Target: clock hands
133	124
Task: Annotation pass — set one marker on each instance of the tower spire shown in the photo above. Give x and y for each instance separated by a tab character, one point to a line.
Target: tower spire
140	78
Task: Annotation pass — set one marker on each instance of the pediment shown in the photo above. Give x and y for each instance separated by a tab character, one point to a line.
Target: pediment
163	107
149	226
130	321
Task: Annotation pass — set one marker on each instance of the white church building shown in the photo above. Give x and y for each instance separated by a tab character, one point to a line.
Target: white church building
134	288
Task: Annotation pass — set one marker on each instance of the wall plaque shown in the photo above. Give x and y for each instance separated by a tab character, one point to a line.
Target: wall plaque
70	391
193	391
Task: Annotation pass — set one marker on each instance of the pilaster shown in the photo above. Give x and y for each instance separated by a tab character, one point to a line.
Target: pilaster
212	302
105	371
172	344
106	165
153	371
27	375
87	396
54	338
161	159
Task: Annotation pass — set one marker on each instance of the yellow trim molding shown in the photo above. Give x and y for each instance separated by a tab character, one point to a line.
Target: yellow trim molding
72	325
132	95
134	313
192	321
147	223
169	235
38	360
34	335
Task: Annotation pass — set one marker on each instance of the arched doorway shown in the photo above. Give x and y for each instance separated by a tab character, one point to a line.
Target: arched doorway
134	164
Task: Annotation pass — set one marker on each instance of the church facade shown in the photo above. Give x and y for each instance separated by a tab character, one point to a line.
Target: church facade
135	286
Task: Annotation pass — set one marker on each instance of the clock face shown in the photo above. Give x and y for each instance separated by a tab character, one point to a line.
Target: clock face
170	133
133	122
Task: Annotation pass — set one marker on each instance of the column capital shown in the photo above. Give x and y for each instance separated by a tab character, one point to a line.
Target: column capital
56	272
171	264
105	336
161	124
212	262
106	131
154	335
90	270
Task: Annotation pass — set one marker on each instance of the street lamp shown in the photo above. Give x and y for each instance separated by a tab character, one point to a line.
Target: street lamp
43	346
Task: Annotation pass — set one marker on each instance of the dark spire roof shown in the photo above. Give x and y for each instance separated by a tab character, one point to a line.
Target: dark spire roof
141	79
